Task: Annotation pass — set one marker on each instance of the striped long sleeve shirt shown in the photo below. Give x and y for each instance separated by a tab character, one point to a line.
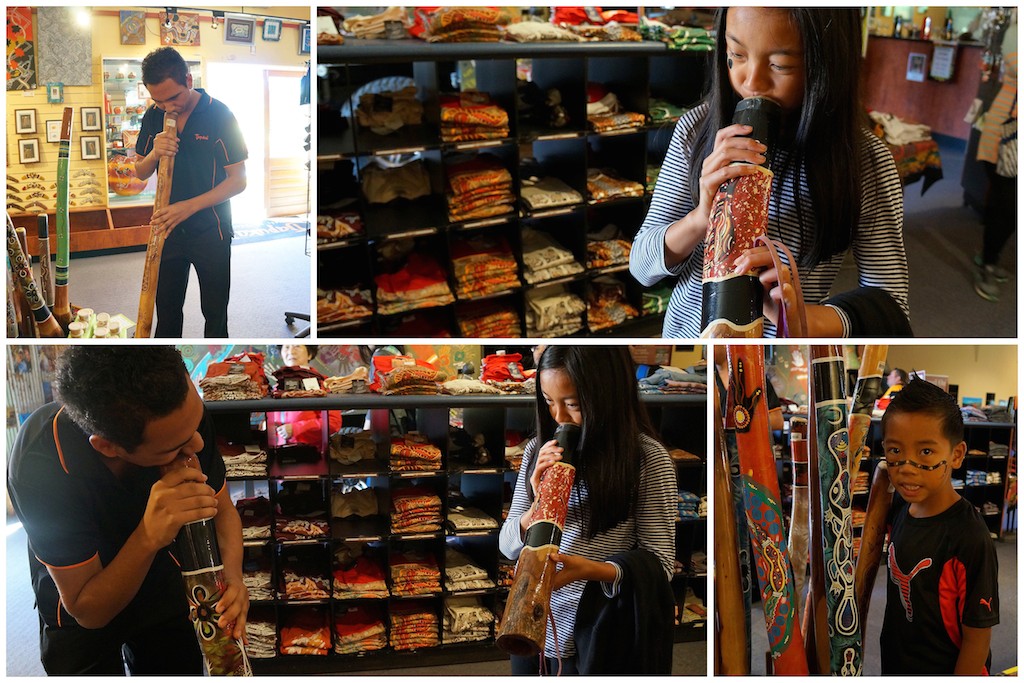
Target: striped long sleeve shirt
877	247
651	527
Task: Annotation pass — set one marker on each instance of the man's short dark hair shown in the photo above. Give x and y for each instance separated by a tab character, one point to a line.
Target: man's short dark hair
920	396
115	391
904	378
163	63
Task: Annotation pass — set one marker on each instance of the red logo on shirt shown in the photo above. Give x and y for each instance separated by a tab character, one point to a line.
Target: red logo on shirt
987	603
202	137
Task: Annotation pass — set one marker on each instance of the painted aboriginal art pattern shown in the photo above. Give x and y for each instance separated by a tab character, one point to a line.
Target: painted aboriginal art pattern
21	50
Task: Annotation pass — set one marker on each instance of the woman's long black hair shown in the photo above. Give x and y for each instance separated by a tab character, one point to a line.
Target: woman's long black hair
610	454
825	146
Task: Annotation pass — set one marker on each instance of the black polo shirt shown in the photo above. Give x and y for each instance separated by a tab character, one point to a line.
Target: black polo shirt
210	141
74	508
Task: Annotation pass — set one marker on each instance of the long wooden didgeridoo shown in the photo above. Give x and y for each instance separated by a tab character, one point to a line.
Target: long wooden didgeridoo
815	612
833	437
44	320
798	530
732	299
155	248
61	278
740	515
868	389
731	659
45	274
12	307
524	624
28	322
872	540
764	511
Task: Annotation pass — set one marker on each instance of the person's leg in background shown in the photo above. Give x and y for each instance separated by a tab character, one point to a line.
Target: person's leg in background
1000	220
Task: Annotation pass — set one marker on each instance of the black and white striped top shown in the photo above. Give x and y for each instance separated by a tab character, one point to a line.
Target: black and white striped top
651	527
877	249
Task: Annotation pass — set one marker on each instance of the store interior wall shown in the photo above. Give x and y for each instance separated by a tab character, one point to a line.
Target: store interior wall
976	369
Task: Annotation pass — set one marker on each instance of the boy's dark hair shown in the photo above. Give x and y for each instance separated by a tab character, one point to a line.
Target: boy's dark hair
920	396
115	391
163	63
609	455
826	144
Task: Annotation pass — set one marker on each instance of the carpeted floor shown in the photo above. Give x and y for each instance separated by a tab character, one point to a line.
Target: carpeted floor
270	229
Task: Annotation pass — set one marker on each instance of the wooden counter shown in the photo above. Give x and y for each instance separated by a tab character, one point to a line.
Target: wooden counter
939	104
94	228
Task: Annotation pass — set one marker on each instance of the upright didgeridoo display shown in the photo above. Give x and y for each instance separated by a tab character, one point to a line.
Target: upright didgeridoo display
61	295
731	659
12	308
529	599
871	540
740	517
833	438
46	324
798	520
203	572
815	616
732	300
868	389
28	322
155	248
45	274
764	510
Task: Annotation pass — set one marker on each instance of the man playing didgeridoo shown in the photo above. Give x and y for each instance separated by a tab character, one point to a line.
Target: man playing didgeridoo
209	170
84	478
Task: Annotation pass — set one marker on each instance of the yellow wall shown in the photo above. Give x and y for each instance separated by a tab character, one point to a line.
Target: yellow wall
977	369
106	43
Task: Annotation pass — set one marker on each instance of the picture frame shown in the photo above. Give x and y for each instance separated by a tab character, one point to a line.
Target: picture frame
55	93
28	150
142	91
917	63
304	39
53	130
272	30
24	121
91	147
92	118
239	30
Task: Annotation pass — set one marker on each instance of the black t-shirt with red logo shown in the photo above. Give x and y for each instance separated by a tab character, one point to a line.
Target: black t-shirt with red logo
943	573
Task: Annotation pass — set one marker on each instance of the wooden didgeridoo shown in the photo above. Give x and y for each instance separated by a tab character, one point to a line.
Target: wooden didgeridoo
202	570
12	306
764	510
27	324
45	274
732	300
868	389
155	248
739	513
45	323
524	624
731	658
61	279
815	617
798	519
871	540
833	438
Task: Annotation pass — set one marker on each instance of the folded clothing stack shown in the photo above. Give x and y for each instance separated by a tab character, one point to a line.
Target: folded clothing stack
262	637
860	483
502	367
993	478
236	378
303	582
359	629
506	573
687	504
256	577
606	248
413	626
414	574
857	517
483	265
515	446
547	193
335	227
342	305
545	259
607	305
383	183
413	452
536	31
347	384
305	631
478	188
553	312
354	503
655	300
349	449
373	26
465	518
998	450
488	319
686	38
422	283
472	115
466	620
385	112
977	477
415	510
603	185
663	111
243	460
256	517
466	25
301	512
605	112
298	381
364	578
409	380
461	574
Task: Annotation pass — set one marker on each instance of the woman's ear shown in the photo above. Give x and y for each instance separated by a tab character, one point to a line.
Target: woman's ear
107	447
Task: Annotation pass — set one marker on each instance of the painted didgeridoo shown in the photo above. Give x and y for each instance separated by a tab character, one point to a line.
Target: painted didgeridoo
12	307
798	519
764	510
733	299
45	274
524	623
740	516
28	323
731	659
815	617
155	248
203	573
61	277
868	389
45	323
872	539
833	439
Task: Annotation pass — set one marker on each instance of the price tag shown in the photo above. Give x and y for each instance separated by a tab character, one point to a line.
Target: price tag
310	384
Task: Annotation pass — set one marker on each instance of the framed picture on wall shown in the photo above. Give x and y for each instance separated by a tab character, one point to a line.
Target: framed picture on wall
53	130
55	93
28	150
24	121
92	118
91	147
239	30
304	40
272	29
916	66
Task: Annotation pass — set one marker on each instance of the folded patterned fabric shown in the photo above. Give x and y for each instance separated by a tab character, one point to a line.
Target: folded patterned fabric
413	627
262	638
530	31
415	510
545	259
422	283
387	111
363	579
469	386
487	319
655	300
296	381
359	629
240	460
372	26
474	109
411	380
237	377
553	312
465	24
466	619
483	265
301	587
603	185
349	449
384	184
305	632
414	574
414	452
546	193
470	519
610	122
298	528
342	305
663	110
607	305
256	515
344	384
605	253
334	227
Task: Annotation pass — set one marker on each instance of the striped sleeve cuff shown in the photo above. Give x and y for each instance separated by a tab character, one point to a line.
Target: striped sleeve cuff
844	318
612	589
